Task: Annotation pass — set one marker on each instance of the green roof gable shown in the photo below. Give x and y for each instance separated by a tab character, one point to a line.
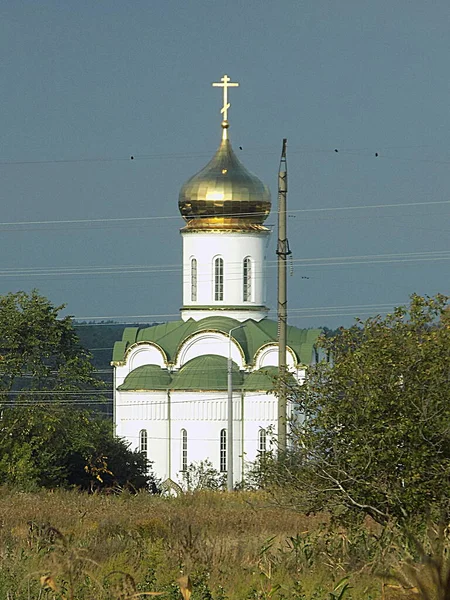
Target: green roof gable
251	337
146	377
208	372
204	373
263	380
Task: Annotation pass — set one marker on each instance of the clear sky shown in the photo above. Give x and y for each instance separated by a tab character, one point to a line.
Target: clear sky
85	85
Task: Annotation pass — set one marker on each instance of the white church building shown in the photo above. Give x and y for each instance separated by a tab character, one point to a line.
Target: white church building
170	379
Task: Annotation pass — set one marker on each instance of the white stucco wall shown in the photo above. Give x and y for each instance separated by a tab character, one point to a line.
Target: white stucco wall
232	247
145	353
138	355
267	356
203	415
135	411
209	343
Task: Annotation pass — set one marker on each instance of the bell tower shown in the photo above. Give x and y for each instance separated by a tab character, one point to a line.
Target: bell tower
224	239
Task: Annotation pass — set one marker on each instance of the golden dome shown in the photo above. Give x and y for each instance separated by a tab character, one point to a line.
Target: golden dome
224	195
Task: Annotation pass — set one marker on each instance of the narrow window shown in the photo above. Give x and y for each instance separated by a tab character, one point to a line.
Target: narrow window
262	441
218	279
143	441
194	280
184	447
247	280
223	450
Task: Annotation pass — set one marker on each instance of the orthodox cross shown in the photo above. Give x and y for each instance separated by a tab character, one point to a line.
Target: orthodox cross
225	83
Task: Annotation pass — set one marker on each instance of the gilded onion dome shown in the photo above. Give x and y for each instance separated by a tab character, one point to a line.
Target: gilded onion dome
224	195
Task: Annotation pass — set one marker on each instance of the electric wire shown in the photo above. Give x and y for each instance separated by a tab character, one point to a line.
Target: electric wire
433	255
24	401
378	152
171	217
319	309
272	311
303	262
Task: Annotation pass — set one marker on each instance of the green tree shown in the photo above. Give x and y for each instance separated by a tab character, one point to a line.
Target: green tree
39	350
62	446
46	377
376	434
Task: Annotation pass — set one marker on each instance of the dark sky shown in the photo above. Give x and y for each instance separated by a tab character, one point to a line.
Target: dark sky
86	85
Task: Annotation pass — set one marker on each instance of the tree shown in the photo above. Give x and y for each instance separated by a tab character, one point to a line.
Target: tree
46	377
203	476
63	446
39	350
376	434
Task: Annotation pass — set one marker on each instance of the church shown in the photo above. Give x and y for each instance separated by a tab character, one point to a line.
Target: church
175	382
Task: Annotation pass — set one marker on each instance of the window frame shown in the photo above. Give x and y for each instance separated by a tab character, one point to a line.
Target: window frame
184	450
218	279
262	440
223	451
194	279
143	441
247	276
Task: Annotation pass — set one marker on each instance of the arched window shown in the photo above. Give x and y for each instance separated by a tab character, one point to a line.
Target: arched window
143	441
194	280
223	450
184	449
218	279
247	280
262	441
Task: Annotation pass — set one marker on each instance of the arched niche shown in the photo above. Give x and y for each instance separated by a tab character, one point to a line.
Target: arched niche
145	354
209	342
267	356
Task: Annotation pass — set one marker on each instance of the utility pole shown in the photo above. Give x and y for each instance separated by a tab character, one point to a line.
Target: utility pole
283	252
230	437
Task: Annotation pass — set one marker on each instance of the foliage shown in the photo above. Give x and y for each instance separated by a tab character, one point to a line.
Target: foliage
203	476
376	437
46	376
426	571
59	445
39	350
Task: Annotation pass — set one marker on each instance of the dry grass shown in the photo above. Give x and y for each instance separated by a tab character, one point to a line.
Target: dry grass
69	546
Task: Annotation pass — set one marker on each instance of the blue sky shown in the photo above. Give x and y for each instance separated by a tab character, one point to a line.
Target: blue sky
87	85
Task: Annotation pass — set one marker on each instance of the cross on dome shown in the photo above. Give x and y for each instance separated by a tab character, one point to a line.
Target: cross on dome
225	83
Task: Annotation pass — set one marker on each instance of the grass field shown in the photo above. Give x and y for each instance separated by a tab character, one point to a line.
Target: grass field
59	544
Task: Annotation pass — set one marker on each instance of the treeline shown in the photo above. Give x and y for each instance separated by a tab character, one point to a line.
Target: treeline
99	339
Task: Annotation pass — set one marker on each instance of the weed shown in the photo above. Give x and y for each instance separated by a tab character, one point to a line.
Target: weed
60	544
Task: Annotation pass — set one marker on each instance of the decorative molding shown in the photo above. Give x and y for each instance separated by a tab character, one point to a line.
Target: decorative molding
247	307
269	348
140	347
198	336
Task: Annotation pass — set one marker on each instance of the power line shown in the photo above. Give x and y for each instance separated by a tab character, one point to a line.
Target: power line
378	152
107	159
165	217
171	268
356	307
261	395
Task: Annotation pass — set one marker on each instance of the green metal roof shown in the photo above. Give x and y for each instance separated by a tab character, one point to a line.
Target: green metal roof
147	377
262	380
204	373
208	372
251	337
